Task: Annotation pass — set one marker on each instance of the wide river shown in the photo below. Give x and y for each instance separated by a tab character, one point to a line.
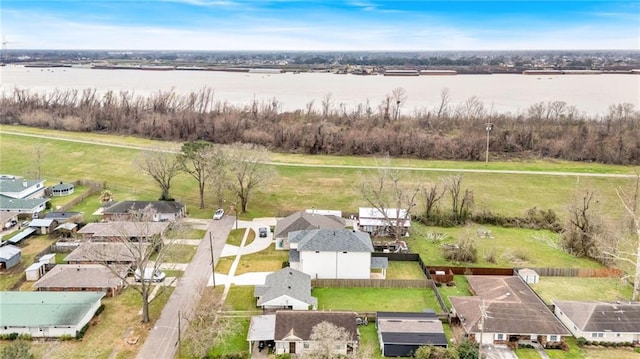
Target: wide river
591	94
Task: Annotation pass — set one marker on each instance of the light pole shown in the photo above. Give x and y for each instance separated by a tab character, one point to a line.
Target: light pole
488	127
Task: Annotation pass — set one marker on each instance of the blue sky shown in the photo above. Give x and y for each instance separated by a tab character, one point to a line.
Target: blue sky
418	25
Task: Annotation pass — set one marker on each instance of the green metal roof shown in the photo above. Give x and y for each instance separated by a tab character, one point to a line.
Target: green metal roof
33	309
8	203
17	184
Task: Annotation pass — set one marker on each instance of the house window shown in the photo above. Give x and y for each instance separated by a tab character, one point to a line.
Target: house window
597	335
618	335
553	338
317	251
500	336
306	345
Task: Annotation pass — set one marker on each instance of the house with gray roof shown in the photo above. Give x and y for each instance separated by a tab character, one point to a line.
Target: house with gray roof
400	334
600	321
286	289
107	253
119	230
47	314
301	221
84	278
332	253
22	195
9	256
162	210
505	309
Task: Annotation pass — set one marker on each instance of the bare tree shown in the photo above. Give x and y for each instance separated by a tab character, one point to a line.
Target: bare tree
146	252
247	167
399	96
432	195
326	336
208	326
386	191
584	231
443	108
461	203
162	165
195	158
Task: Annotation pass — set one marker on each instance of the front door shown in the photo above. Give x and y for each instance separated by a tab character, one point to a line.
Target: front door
292	347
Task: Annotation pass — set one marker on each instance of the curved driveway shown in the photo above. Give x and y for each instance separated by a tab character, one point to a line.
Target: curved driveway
162	341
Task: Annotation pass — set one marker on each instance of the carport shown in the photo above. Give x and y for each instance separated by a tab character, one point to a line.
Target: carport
262	327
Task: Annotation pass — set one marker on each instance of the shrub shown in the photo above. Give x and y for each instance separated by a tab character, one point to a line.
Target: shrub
490	257
99	310
24	337
464	251
80	334
283	356
66	337
9	336
637	350
581	341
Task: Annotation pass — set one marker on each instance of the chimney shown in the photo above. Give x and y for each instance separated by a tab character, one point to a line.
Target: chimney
24	183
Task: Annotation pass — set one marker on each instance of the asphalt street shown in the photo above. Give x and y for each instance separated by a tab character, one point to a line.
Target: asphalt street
162	342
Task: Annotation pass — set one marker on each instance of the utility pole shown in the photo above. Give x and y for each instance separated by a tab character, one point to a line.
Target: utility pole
213	264
489	128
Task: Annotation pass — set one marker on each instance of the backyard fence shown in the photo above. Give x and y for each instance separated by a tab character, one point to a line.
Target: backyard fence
371	283
94	187
579	272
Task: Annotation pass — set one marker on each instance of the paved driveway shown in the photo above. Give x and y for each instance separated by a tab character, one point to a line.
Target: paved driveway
162	341
498	352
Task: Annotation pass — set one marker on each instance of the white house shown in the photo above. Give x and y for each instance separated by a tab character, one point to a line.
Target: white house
163	211
286	289
47	314
331	253
378	223
600	321
301	221
22	195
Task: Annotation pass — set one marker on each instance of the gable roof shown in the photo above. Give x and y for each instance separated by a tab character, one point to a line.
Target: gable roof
124	207
15	185
124	229
107	251
602	316
82	276
20	204
301	221
332	240
8	251
417	328
289	282
511	307
300	323
41	222
33	309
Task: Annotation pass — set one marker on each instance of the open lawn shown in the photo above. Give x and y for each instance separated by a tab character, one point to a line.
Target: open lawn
186	232
376	299
268	260
299	187
369	346
240	298
576	352
404	270
59	201
108	332
235	237
527	354
509	246
178	253
236	341
30	248
576	288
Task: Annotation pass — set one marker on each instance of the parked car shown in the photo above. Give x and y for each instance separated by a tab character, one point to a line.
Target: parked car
150	275
219	213
262	231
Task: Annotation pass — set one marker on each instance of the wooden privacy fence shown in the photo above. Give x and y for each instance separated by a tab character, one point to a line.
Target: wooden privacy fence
579	272
94	187
371	283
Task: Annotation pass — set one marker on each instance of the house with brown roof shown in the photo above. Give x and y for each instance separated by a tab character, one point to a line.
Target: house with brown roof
301	221
600	321
162	210
118	230
107	253
504	309
291	330
83	278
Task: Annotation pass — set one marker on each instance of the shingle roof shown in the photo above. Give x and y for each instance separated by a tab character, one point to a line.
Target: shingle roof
289	282
124	207
107	251
511	307
602	316
300	323
8	203
124	229
41	222
13	185
300	221
410	328
32	309
82	276
332	240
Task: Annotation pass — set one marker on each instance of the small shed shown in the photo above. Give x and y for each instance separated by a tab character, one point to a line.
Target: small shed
529	275
62	189
48	258
35	271
43	225
9	256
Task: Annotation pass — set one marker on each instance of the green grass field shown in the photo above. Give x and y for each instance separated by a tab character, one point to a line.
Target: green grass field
404	270
240	298
461	289
376	299
570	288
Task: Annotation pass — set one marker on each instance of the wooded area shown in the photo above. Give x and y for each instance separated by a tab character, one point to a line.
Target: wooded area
457	132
